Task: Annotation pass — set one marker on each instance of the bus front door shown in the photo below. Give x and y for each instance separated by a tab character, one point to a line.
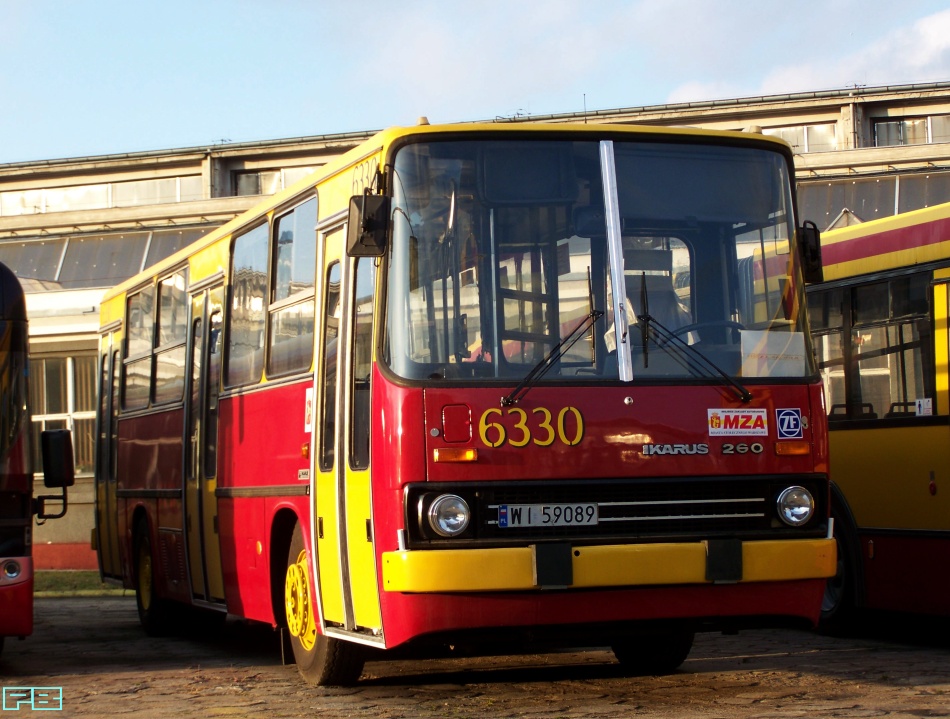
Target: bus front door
201	437
107	516
329	531
346	565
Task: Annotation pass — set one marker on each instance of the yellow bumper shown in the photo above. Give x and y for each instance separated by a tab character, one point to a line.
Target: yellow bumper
623	565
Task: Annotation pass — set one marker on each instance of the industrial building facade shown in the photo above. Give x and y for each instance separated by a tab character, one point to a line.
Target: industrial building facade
72	228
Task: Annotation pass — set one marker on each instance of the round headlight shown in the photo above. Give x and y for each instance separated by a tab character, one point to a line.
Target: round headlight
795	506
11	570
449	515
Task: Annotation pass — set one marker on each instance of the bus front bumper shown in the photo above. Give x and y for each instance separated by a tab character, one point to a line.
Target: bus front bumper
623	565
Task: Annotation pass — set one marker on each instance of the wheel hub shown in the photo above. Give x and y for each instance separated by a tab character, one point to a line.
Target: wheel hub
299	609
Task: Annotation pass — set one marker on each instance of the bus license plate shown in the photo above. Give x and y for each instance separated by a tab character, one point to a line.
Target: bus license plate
546	515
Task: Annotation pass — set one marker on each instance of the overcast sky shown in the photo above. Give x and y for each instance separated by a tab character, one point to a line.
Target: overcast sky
98	77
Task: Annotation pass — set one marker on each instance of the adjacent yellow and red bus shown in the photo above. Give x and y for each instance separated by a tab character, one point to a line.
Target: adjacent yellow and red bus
479	384
880	329
17	504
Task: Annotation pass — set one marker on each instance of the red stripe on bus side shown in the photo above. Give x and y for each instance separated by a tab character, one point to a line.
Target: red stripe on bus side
904	238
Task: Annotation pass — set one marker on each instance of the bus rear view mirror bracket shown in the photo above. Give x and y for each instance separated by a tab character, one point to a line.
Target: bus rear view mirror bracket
810	248
58	470
367	225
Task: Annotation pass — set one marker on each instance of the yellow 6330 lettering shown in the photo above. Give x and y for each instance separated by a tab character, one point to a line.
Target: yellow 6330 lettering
515	427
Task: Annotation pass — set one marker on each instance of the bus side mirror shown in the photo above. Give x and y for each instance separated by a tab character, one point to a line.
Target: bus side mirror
58	469
810	247
367	226
57	445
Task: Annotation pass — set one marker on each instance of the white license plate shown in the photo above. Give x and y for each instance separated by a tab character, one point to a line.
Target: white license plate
547	515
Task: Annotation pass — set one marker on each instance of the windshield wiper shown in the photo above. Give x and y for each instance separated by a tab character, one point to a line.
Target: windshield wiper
694	360
542	367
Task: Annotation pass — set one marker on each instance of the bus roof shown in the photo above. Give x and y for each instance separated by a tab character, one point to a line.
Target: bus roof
386	137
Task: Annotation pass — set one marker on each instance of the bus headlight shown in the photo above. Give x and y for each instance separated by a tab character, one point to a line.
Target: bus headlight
449	515
11	570
795	506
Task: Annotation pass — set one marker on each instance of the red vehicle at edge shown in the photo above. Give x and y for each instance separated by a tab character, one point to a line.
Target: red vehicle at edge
17	504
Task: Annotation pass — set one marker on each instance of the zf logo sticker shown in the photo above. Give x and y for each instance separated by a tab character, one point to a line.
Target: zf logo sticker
789	423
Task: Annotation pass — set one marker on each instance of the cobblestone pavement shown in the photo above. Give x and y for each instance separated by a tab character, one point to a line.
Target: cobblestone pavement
94	649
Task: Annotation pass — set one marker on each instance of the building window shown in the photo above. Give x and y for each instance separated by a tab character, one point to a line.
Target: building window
868	198
266	182
794	136
188	188
911	130
63	396
806	138
940	128
34	259
91	261
165	243
94	261
900	132
256	183
825	202
820	138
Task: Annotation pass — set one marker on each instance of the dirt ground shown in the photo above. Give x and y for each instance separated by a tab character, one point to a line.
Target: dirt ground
94	649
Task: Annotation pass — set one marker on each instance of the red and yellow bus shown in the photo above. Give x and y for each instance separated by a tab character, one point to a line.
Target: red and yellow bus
478	384
880	329
17	504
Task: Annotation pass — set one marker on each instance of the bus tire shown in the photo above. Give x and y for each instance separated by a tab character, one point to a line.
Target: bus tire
838	606
154	612
653	655
321	660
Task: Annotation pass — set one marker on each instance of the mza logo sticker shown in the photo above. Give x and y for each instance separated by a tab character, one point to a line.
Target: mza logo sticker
738	422
789	423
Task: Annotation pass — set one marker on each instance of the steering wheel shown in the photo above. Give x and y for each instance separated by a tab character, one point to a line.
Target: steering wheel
686	329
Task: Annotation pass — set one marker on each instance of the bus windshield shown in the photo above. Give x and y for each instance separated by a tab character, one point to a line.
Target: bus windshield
502	249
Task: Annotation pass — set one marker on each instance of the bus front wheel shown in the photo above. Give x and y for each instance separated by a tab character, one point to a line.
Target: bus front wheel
322	660
654	655
838	607
154	613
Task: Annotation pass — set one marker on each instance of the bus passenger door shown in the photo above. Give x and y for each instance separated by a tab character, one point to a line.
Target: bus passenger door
107	516
201	435
327	534
345	550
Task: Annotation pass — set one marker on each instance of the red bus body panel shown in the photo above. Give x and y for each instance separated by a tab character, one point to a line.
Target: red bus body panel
896	561
614	432
260	440
16	602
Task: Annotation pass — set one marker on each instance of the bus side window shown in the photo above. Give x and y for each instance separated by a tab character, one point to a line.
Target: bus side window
245	362
330	336
137	374
361	372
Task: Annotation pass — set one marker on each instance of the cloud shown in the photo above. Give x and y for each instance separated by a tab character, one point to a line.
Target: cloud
914	53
